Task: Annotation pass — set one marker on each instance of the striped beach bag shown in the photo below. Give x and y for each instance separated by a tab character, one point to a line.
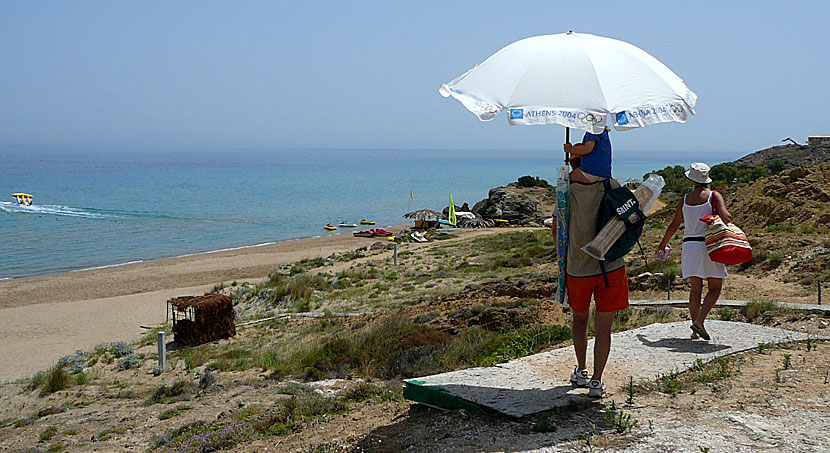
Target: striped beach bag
726	243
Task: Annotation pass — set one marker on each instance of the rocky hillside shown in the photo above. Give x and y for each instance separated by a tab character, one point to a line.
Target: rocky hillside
791	155
795	198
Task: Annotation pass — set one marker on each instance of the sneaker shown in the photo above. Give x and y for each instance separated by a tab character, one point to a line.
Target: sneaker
596	389
580	378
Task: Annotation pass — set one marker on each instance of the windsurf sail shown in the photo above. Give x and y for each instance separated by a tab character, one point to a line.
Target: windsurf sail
451	217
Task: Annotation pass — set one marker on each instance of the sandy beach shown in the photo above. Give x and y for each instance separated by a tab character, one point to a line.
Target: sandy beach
45	317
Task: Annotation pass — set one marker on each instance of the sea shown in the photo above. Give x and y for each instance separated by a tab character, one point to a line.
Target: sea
96	208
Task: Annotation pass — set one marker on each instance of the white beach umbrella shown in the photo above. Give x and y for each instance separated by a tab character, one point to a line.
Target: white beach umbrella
575	80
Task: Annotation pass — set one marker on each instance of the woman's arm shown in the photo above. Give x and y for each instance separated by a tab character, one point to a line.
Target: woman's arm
720	207
580	149
673	226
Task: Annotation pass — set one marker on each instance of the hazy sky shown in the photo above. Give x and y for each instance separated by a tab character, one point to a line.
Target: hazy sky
294	74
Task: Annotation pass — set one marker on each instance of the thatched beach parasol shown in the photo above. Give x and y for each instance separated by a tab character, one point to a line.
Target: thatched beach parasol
424	215
476	222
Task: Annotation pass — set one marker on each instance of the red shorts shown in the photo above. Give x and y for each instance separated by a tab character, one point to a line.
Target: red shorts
613	298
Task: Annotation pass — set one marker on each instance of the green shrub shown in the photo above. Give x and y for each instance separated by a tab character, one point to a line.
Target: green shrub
807	229
530	181
48	433
781	228
726	314
174	412
301	286
365	391
721	174
129	362
51	381
513	345
202	437
107	434
180	390
776	166
675	179
306	265
753	310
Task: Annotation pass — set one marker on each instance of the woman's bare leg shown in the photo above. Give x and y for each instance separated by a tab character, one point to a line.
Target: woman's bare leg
696	290
714	289
694	296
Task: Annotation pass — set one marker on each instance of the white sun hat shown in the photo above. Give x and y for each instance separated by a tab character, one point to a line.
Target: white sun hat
699	173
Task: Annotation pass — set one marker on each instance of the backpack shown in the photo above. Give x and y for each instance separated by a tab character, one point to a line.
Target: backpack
622	203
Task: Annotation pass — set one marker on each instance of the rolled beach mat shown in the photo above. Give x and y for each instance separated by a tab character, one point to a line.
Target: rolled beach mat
646	195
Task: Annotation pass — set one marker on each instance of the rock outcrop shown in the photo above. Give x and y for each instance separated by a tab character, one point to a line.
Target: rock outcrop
519	205
791	155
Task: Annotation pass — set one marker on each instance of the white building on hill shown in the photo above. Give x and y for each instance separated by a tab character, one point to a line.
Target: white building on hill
816	140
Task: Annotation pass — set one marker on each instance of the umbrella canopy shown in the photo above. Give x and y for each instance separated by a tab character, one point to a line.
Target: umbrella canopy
576	80
424	214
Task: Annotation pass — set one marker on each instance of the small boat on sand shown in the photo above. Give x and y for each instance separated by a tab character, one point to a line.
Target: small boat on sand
367	222
345	224
373	233
330	227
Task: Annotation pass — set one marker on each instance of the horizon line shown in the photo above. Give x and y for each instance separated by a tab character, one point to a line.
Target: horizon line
349	148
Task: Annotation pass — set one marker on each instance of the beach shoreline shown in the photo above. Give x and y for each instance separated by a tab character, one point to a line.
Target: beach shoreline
48	316
187	270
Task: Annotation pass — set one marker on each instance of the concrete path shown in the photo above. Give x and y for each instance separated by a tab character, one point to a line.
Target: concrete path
729	303
540	382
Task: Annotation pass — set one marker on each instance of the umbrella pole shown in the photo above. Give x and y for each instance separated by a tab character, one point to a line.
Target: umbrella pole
568	142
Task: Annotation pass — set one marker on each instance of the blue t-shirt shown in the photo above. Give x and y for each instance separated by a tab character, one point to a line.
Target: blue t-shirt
598	161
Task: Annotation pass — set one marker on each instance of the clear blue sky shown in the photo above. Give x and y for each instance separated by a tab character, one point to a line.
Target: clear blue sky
366	74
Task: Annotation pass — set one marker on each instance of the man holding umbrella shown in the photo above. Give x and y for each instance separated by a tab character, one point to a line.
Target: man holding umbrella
584	273
586	82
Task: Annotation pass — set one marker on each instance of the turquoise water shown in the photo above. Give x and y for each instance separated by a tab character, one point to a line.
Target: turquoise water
105	208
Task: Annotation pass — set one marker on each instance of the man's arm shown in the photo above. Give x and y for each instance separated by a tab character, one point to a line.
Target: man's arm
580	149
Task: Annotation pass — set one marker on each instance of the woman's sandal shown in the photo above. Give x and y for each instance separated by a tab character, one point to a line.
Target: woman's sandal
701	331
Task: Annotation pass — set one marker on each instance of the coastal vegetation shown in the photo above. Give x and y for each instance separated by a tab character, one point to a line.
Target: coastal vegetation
721	174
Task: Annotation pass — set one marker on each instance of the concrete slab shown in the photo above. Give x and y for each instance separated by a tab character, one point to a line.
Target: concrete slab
729	303
540	382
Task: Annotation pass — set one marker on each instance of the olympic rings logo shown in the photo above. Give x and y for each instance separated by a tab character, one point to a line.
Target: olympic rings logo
487	108
590	118
676	109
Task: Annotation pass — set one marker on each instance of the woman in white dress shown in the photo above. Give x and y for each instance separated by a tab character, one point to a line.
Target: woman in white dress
695	262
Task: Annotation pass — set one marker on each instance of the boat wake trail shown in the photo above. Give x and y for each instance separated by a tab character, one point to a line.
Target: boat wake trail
56	210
